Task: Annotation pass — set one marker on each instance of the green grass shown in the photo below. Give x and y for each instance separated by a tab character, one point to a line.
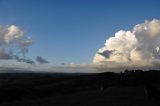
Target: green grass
122	96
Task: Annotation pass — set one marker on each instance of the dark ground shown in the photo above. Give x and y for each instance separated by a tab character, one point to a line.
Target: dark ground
104	89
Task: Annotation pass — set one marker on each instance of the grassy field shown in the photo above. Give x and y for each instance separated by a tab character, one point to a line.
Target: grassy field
113	96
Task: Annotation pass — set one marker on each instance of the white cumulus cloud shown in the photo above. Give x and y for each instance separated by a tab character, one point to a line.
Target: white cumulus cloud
12	41
136	48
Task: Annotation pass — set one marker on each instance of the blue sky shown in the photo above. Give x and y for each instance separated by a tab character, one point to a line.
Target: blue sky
73	30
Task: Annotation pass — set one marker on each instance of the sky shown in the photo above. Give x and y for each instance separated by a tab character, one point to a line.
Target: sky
72	31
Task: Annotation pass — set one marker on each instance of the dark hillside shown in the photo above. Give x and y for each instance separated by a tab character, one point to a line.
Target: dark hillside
24	86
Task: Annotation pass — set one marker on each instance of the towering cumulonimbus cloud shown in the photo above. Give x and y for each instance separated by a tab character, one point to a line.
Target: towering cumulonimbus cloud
139	47
12	41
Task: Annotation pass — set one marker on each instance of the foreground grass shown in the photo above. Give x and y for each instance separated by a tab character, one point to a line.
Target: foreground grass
116	96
